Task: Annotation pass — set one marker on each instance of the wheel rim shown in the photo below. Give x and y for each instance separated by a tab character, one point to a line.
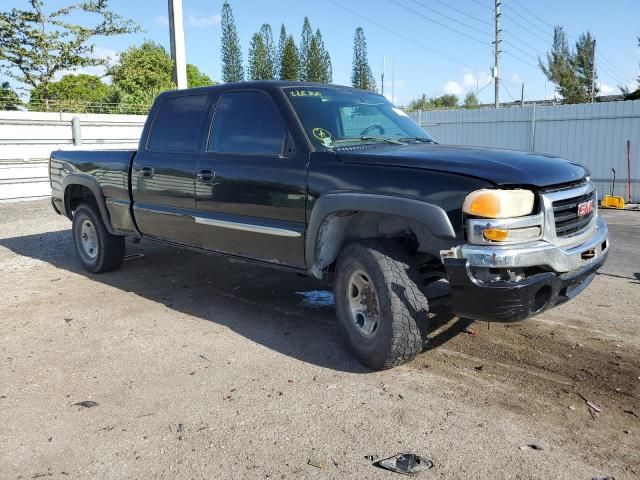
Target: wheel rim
89	239
363	303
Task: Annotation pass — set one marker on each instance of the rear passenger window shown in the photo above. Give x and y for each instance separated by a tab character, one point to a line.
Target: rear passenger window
247	123
178	124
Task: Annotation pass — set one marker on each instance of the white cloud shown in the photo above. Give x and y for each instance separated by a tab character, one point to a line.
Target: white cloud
607	89
453	88
193	20
203	21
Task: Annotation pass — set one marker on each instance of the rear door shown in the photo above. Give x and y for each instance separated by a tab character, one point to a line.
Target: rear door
162	177
251	182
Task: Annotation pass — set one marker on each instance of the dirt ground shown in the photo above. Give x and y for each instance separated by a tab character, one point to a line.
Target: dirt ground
204	368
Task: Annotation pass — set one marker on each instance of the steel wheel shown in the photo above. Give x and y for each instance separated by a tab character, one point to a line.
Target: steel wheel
363	303
89	239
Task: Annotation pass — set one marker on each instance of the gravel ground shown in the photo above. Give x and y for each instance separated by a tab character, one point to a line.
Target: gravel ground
204	368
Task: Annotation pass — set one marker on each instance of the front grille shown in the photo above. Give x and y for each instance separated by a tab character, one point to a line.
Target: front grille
566	217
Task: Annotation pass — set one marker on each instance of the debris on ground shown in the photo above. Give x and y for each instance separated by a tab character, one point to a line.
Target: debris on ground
86	404
316	298
469	331
405	463
535	446
479	368
594	407
315	463
131	256
372	458
631	412
205	358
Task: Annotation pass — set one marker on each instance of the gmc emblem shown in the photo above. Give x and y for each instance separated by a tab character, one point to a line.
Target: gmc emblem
585	208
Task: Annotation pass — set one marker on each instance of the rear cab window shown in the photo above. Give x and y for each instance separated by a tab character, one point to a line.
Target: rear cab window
247	122
178	124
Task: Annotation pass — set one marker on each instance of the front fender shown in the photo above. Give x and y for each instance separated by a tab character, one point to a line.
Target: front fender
432	217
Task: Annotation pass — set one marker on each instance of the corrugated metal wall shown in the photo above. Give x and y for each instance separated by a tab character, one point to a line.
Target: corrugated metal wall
594	135
27	139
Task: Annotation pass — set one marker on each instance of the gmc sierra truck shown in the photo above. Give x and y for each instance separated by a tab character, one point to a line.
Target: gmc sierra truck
339	184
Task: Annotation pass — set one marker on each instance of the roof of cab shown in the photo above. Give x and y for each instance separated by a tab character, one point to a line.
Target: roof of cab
265	84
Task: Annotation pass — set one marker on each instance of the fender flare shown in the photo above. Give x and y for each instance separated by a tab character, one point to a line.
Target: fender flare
92	184
432	217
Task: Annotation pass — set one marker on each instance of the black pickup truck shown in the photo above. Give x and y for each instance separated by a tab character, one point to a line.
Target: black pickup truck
337	183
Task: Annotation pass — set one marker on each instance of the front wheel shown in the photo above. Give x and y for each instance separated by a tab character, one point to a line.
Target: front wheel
378	303
97	249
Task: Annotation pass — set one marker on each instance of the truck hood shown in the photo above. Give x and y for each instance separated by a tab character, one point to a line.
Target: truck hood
501	167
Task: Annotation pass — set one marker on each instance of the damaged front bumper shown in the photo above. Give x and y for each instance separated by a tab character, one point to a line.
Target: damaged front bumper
511	283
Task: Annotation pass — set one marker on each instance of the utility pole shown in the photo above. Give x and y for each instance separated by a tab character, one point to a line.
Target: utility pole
496	54
593	73
384	64
176	32
393	80
522	96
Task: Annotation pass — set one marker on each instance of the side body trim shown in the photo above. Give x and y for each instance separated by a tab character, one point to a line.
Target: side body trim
248	227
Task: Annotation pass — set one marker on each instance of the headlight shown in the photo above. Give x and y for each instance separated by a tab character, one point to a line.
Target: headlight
499	203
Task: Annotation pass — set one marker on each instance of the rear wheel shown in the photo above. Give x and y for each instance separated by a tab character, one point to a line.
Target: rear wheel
98	250
379	305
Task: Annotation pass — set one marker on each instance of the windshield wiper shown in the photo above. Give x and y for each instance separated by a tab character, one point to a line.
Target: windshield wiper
418	139
382	139
367	138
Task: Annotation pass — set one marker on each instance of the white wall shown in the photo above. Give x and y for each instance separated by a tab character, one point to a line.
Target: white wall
27	139
594	135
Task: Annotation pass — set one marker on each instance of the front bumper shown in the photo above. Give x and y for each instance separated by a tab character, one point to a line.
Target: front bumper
567	271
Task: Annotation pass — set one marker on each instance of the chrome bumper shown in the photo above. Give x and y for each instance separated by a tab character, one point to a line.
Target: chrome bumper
560	259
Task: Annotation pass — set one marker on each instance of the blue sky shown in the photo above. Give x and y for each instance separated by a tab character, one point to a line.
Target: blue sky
429	58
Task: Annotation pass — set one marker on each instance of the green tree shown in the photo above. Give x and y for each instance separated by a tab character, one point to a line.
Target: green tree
143	69
281	43
270	46
259	66
327	69
569	70
232	69
290	67
445	101
70	93
305	44
471	101
635	95
314	70
361	75
35	44
584	64
195	78
9	99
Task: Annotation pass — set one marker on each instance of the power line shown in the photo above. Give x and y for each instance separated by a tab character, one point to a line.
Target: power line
439	23
409	39
461	12
450	18
507	90
483	4
613	71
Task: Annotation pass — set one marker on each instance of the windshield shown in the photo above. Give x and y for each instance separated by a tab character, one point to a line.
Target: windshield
336	118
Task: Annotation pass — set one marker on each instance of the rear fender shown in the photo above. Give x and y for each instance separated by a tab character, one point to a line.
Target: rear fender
89	182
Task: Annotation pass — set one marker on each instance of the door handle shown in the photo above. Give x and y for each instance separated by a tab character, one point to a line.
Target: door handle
205	176
147	172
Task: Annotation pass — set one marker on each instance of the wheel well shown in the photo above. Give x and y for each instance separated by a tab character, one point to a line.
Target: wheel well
340	228
75	195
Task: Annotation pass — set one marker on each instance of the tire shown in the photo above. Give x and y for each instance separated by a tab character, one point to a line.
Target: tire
399	304
97	249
